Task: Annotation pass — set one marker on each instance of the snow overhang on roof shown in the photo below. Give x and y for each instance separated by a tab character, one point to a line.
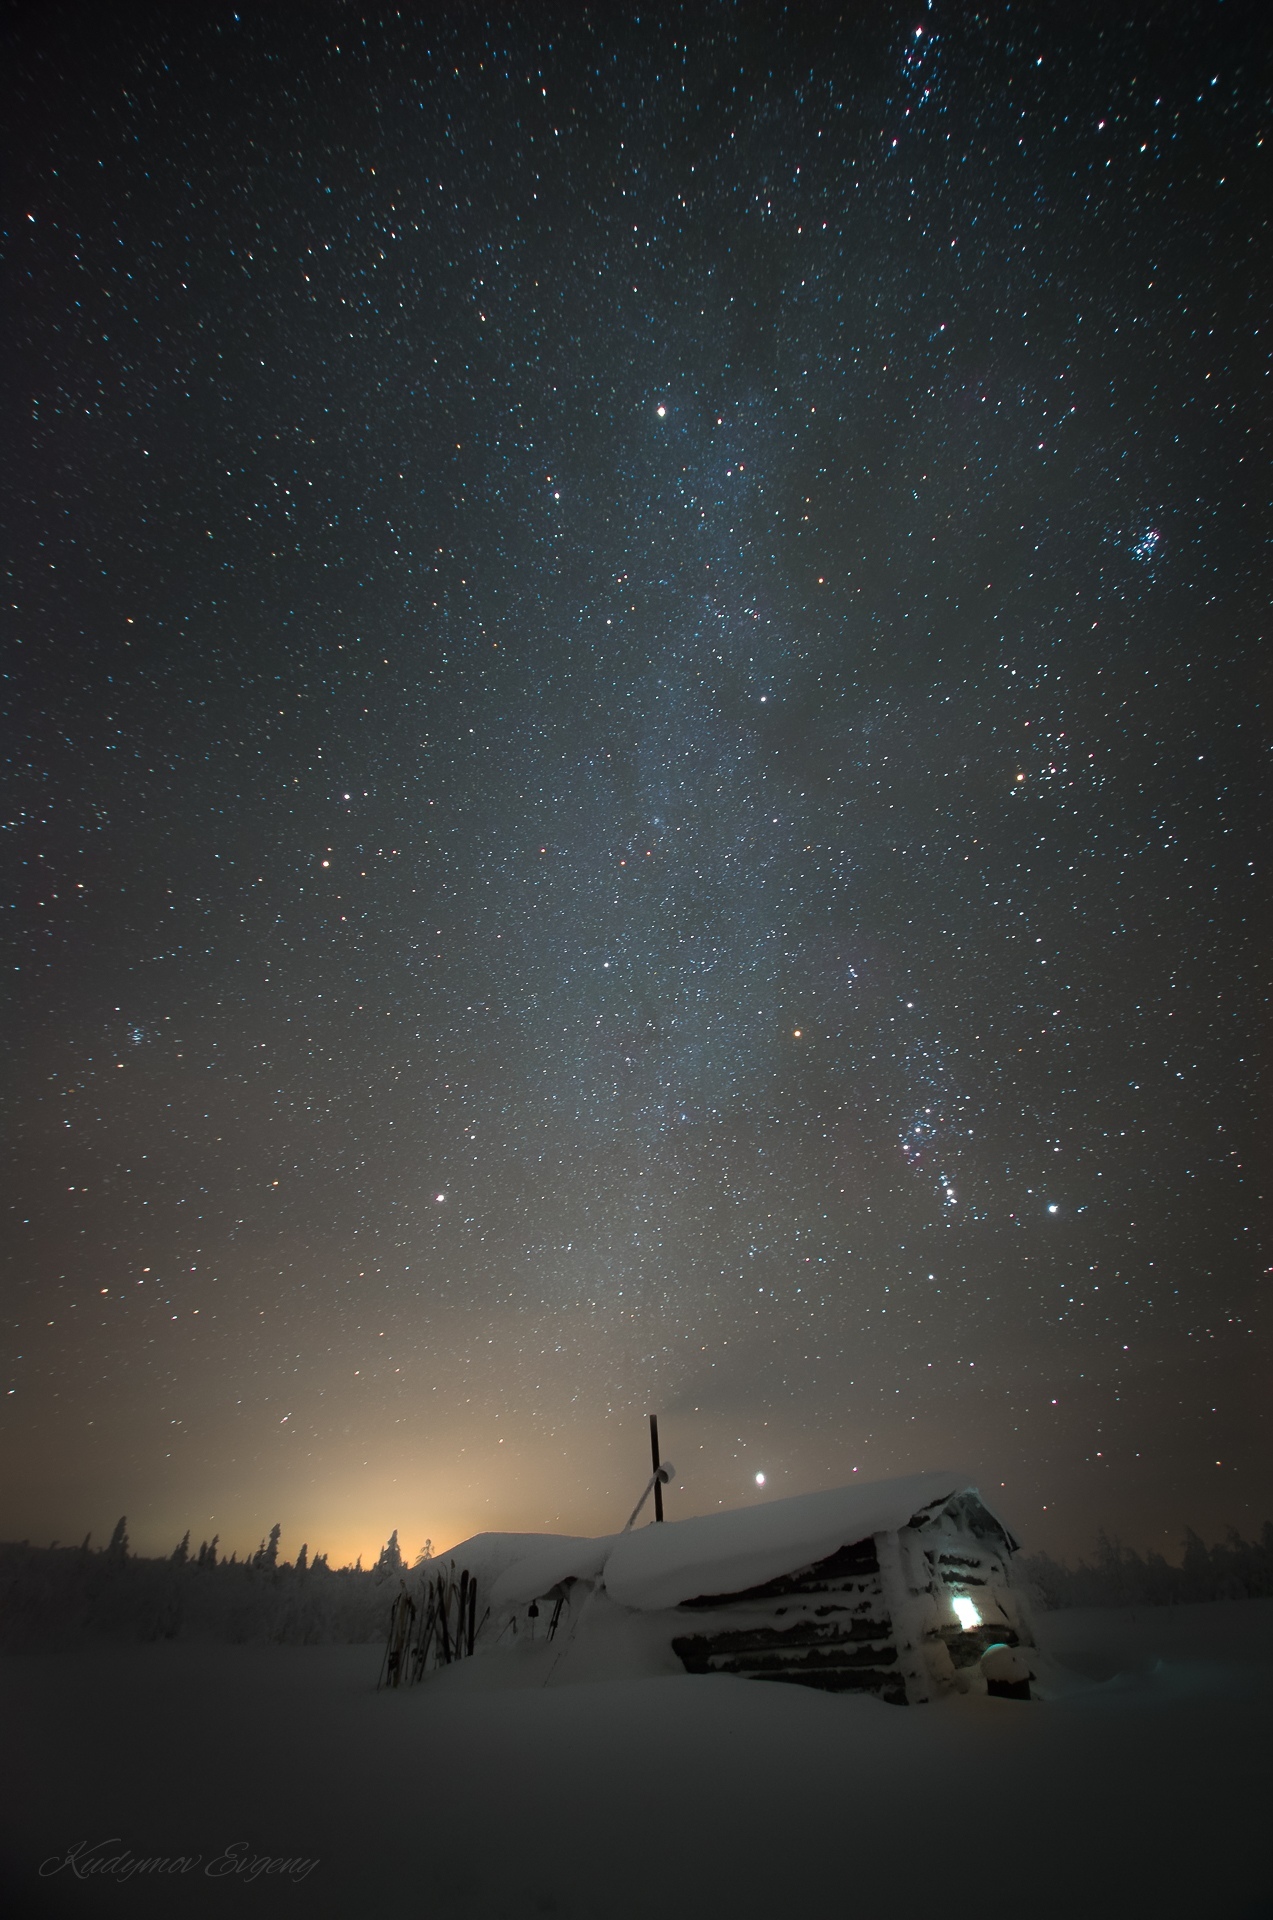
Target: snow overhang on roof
729	1552
513	1568
661	1566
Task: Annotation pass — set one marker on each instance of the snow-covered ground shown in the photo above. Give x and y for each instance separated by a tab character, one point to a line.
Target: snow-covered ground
1141	1787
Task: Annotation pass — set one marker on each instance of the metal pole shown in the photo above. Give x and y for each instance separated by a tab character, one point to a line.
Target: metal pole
654	1456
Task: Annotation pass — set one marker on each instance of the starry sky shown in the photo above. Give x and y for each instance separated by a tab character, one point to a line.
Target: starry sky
632	675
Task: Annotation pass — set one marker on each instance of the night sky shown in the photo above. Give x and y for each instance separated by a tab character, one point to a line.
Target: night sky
632	680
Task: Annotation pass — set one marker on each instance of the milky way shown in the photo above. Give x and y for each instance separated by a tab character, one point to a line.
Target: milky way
631	763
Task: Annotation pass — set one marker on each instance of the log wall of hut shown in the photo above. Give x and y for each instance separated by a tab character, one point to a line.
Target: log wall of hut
876	1616
827	1625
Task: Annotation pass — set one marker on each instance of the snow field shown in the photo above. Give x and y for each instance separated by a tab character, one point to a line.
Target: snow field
1141	1787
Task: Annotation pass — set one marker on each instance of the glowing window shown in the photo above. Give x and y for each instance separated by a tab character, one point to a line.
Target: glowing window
965	1612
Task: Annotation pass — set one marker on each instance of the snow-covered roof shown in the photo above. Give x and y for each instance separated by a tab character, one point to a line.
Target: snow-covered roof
728	1552
660	1566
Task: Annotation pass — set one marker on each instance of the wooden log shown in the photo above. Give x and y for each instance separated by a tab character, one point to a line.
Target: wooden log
809	1633
854	1562
705	1658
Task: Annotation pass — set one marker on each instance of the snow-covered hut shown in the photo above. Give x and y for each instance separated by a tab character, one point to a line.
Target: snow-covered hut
895	1587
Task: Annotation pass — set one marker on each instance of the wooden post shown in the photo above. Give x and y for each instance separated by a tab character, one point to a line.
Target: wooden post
654	1456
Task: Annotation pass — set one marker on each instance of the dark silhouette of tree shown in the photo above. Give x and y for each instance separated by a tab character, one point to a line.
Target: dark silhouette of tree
181	1552
117	1548
269	1554
1195	1568
302	1558
390	1560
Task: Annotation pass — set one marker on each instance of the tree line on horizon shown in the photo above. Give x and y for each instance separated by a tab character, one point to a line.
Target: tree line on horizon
58	1593
1118	1576
265	1557
49	1595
